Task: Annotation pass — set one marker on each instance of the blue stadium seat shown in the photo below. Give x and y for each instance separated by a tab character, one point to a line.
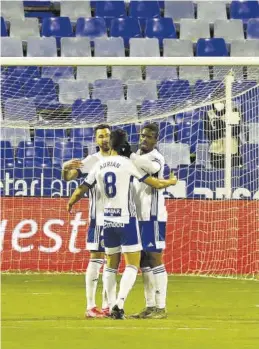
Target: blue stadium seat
3	28
126	28
175	91
109	10
40	88
211	47
143	10
90	110
166	132
7	155
132	131
64	151
250	155
91	27
161	28
21	72
58	27
82	135
32	154
253	28
190	133
50	136
37	3
203	89
106	89
244	10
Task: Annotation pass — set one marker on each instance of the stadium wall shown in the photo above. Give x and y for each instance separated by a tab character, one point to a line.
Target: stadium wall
203	236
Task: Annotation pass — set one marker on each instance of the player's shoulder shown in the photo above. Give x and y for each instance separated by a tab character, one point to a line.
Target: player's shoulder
156	155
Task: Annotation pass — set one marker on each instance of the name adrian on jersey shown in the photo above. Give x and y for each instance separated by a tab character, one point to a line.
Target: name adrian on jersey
110	164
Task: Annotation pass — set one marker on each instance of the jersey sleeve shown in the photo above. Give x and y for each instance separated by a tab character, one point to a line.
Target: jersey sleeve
150	166
88	163
90	180
136	172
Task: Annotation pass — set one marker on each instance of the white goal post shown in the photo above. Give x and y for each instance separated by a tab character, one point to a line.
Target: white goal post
213	225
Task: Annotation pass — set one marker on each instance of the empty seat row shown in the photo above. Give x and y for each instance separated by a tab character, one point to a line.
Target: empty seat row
160	28
145	9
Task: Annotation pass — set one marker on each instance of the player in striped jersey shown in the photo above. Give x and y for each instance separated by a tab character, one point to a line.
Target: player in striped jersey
76	168
152	216
114	179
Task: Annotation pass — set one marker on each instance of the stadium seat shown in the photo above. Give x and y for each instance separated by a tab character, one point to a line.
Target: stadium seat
16	73
64	151
75	9
253	133
132	131
194	73
204	89
229	30
190	133
126	73
3	28
126	28
152	107
22	109
175	91
33	154
161	73
15	135
50	136
140	90
192	116
179	9
109	10
250	110
211	47
175	154
70	90
177	48
160	28
91	73
75	47
23	28
109	47
58	73
143	10
245	48
41	89
108	89
253	28
82	135
211	11
91	27
11	47
41	47
244	10
194	29
12	10
144	47
202	155
7	155
90	110
58	27
123	111
250	155
166	132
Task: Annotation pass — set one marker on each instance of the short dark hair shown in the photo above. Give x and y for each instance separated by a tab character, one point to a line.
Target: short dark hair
101	127
152	127
118	138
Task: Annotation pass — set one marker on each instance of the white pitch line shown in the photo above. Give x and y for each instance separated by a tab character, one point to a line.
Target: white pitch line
36	293
124	328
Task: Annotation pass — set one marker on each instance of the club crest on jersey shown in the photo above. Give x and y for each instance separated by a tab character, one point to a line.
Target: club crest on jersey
112	212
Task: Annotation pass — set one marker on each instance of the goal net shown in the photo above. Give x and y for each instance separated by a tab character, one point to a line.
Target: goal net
208	117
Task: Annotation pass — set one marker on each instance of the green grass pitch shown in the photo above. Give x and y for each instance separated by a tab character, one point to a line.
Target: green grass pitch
46	311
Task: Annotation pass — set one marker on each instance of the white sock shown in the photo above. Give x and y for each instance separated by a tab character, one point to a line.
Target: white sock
110	282
91	280
127	281
149	287
104	293
160	278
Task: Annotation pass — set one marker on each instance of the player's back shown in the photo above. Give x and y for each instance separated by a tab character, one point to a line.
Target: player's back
114	176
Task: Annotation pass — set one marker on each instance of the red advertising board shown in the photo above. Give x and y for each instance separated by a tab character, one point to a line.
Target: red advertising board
203	236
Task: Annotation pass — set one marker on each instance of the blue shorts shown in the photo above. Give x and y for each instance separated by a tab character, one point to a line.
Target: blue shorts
152	235
121	237
95	240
